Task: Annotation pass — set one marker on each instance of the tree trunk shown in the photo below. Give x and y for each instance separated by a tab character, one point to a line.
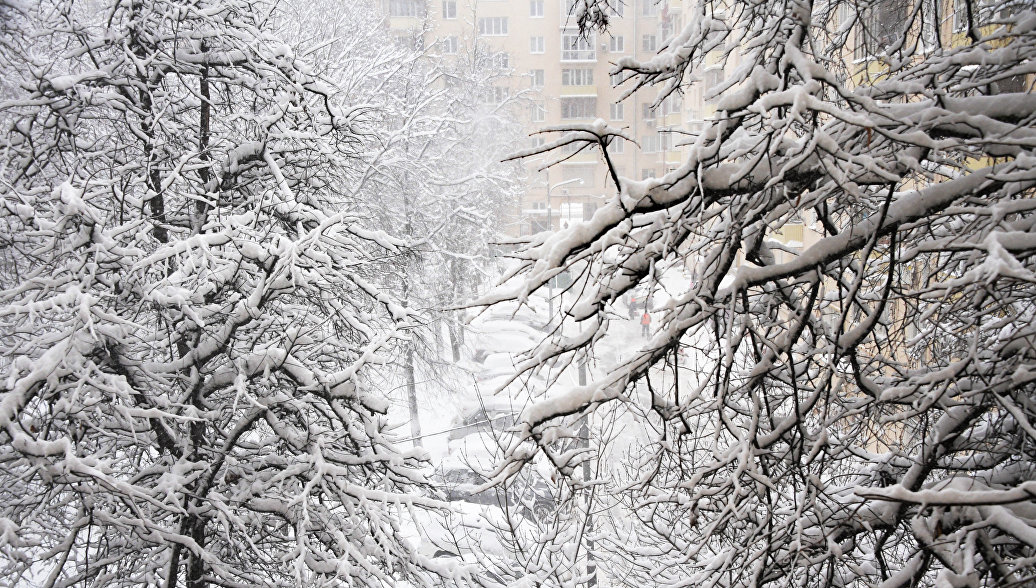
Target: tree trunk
451	326
411	390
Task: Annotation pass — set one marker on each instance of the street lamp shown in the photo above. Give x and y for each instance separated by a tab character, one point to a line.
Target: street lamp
550	227
550	209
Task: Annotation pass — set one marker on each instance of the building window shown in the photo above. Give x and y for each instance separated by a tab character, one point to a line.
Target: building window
497	95
671	105
538	78
412	39
617	44
617	8
578	107
449	9
616	111
576	47
665	141
492	26
713	77
572	148
449	45
579	172
535	44
571	212
880	27
650	143
589	208
615	78
536	8
983	12
646	112
649	43
500	60
406	8
960	15
577	77
539	113
647	173
616	145
649	7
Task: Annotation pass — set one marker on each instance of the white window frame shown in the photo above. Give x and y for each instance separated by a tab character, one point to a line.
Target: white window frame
651	143
673	104
574	47
568	113
649	43
580	171
666	141
410	8
617	111
498	94
492	26
535	8
539	112
536	45
960	16
449	9
577	76
539	77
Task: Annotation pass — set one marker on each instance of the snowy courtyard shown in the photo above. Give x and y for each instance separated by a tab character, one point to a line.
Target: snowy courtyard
518	293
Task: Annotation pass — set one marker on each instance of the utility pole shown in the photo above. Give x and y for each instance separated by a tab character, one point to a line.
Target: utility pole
550	227
591	567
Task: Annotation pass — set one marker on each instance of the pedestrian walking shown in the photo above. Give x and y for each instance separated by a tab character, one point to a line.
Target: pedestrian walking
645	324
633	307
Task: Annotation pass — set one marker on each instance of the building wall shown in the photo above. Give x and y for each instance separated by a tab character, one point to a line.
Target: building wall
553	79
556	78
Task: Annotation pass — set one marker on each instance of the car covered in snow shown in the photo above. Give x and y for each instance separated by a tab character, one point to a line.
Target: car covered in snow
475	452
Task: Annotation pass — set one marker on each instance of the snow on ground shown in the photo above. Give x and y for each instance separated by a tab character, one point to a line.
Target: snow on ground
461	432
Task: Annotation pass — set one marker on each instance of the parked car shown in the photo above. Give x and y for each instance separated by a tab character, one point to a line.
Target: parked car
468	534
482	420
473	454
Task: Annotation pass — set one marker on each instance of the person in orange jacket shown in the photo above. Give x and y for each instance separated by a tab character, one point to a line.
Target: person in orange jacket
645	323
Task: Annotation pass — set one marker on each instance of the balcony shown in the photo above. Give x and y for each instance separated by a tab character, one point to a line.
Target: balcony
578	49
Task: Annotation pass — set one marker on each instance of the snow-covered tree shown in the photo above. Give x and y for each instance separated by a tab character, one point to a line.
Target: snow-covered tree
854	409
437	177
445	189
192	315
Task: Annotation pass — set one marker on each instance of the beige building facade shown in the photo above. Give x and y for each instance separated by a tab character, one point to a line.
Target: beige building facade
555	76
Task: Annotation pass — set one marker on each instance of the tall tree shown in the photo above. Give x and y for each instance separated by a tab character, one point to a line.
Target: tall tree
857	410
192	318
439	183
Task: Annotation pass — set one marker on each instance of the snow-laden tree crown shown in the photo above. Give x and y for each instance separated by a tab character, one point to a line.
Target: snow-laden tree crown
200	303
856	407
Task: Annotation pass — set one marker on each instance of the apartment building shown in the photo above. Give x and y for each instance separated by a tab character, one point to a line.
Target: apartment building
557	76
